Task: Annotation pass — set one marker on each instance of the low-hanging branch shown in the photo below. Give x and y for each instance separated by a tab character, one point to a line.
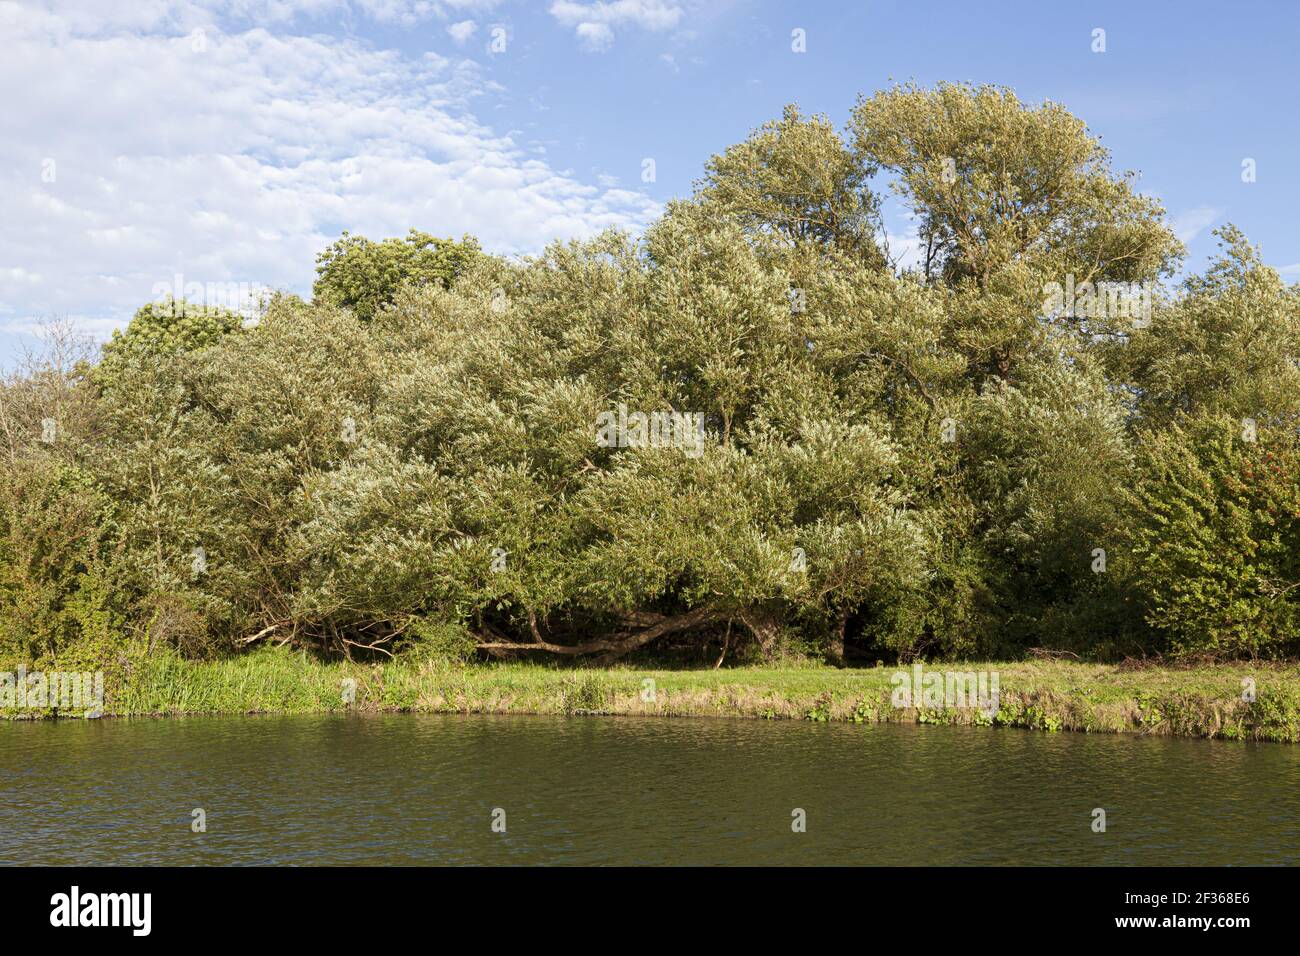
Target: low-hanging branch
617	646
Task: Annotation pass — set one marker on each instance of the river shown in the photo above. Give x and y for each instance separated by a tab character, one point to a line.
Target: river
418	790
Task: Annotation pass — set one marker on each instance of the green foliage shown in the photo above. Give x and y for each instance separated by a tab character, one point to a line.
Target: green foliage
1008	197
356	273
438	642
1047	461
1228	345
820	712
995	180
159	332
795	178
53	565
58	604
1216	541
431	459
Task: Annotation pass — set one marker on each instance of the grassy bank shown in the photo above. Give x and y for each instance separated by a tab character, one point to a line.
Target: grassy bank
1204	701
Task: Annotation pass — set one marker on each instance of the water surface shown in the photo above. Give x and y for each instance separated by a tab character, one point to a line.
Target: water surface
418	790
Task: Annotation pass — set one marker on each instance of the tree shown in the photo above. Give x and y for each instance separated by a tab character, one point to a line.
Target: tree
993	180
160	331
1008	198
1216	538
795	178
58	604
364	276
1228	345
1047	462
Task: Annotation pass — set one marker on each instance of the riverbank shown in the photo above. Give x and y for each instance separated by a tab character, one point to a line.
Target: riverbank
1201	701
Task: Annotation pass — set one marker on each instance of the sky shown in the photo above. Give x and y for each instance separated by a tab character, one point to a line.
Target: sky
162	143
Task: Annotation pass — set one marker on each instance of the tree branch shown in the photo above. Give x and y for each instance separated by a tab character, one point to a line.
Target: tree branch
615	647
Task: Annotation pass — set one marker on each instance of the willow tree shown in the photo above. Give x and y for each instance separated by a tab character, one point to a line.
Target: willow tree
1228	344
546	539
796	179
1008	196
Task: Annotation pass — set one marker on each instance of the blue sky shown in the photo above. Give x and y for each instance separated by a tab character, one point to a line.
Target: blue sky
228	142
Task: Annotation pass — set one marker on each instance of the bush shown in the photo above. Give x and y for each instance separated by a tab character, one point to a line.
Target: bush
1217	538
438	642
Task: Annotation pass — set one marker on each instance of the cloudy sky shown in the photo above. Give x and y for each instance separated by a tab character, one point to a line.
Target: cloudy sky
231	141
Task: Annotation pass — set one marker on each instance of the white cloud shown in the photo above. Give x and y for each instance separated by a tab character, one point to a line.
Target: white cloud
239	163
594	36
404	12
462	31
1190	224
594	23
92	16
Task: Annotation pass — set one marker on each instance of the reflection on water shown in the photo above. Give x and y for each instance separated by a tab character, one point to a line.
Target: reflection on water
411	790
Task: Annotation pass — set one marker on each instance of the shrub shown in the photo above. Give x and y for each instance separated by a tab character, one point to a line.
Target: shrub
1216	542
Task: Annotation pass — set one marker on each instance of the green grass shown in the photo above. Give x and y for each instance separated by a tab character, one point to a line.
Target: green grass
1203	701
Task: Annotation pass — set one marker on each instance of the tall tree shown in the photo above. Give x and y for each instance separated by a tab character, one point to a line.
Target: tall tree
794	178
364	276
1008	197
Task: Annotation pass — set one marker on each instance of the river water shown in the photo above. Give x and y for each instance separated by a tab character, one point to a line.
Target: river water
418	790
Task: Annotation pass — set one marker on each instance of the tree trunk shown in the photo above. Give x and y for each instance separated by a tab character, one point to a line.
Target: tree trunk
835	649
765	625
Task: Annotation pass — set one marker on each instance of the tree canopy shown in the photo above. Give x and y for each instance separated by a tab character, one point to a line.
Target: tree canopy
747	431
364	276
